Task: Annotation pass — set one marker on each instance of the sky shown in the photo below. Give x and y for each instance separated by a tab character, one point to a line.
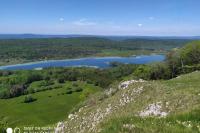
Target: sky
101	17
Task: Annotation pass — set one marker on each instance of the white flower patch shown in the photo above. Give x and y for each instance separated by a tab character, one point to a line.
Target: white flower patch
128	126
153	110
72	116
60	127
125	84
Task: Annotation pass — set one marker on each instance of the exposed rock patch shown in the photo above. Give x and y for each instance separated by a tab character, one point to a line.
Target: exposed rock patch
154	109
60	128
125	84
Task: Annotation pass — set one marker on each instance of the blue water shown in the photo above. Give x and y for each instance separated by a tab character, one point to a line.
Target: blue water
102	62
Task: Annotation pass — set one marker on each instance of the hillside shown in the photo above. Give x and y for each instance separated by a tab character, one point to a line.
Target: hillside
109	100
138	106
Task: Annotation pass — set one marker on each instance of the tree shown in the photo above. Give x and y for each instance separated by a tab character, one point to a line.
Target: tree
160	71
61	80
31	77
17	90
191	53
29	99
173	61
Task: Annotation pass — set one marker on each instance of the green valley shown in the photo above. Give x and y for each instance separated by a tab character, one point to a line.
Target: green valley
155	97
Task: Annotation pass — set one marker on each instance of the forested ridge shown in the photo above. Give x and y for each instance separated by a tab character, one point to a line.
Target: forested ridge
14	51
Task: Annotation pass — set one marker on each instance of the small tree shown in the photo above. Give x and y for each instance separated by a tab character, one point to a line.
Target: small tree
29	99
17	90
174	61
69	92
61	80
159	71
78	89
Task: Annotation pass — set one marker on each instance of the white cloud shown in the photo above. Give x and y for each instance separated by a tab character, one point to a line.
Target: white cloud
151	18
140	25
61	19
84	22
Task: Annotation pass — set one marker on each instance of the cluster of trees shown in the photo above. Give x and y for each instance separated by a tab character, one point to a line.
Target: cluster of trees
18	82
184	60
178	61
74	89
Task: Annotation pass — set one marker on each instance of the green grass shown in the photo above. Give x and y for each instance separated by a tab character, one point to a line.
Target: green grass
183	95
51	106
184	123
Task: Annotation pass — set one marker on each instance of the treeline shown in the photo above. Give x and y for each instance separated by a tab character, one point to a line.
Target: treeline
61	48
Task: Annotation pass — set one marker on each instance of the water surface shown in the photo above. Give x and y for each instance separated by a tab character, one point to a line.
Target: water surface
102	62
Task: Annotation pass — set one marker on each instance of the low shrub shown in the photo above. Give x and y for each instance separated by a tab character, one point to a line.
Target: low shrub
69	92
69	88
75	85
78	89
61	80
29	99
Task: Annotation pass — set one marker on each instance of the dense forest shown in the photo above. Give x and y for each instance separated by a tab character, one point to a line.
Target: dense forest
25	50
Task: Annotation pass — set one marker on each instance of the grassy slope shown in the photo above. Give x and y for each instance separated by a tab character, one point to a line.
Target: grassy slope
182	94
179	97
51	106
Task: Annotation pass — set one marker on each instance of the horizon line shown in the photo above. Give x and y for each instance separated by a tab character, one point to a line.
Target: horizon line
50	34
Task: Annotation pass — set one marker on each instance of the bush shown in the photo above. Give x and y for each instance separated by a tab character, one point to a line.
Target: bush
188	69
5	73
5	94
17	90
29	99
89	81
159	71
69	92
143	72
78	89
3	126
69	88
61	80
31	77
75	85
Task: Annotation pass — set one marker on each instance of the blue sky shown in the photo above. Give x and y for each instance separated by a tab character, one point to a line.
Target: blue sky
101	17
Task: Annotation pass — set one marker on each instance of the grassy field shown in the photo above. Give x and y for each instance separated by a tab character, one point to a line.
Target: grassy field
50	107
118	112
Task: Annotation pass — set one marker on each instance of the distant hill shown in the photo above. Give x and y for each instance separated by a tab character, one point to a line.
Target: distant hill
26	36
117	38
